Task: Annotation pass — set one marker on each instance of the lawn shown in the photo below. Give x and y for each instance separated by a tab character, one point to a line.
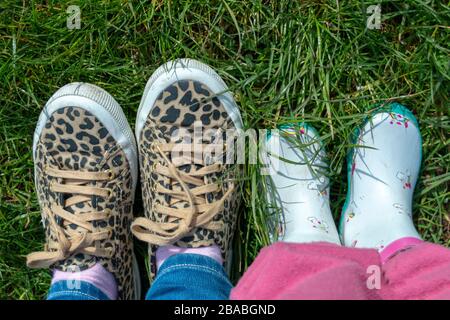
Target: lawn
283	60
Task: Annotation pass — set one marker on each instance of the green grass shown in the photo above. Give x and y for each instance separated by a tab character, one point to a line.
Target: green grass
284	60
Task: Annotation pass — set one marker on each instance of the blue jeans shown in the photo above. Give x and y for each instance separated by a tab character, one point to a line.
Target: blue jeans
66	290
181	277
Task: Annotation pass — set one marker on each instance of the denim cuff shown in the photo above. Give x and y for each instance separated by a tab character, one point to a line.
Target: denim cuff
75	290
195	262
190	276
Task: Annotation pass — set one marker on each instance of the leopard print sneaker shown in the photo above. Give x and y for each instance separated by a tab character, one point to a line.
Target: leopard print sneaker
85	166
190	197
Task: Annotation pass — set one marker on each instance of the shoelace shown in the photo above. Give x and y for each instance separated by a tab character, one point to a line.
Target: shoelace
73	241
181	221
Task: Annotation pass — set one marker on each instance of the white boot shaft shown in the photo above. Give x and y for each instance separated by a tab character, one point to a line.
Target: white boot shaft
300	190
383	172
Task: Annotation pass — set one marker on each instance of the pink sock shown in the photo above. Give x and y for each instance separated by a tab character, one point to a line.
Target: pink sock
397	246
96	275
165	252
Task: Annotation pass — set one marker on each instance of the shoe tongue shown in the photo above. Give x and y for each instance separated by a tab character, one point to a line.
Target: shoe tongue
184	163
68	161
187	162
81	207
83	261
80	260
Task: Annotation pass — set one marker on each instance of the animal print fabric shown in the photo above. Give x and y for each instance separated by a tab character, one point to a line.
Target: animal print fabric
177	108
74	139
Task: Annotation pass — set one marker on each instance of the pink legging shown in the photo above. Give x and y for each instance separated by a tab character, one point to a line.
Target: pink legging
327	271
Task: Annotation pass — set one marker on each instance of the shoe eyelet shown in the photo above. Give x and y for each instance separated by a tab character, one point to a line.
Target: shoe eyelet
111	174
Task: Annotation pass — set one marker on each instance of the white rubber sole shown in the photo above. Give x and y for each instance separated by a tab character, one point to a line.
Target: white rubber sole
185	69
101	104
136	279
